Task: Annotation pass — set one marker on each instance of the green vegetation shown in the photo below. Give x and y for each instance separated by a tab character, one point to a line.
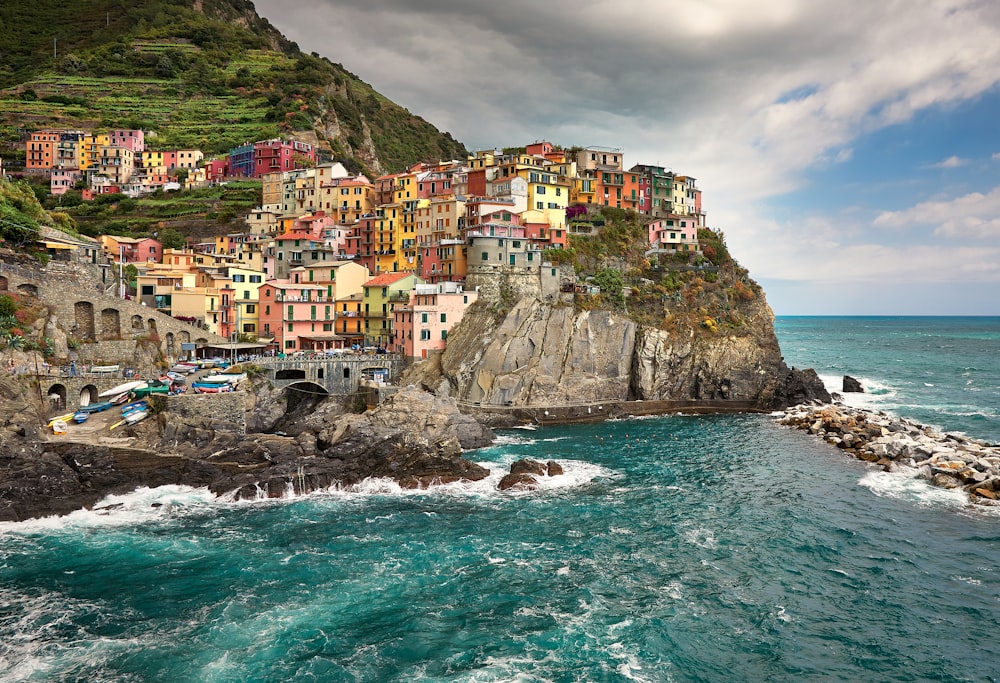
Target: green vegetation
169	216
709	293
207	75
20	214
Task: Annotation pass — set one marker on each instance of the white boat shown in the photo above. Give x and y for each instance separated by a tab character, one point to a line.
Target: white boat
58	427
136	416
121	389
223	378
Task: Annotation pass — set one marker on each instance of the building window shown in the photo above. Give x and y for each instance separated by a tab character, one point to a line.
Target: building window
290	327
290	344
444	334
425	335
423	317
444	317
486	257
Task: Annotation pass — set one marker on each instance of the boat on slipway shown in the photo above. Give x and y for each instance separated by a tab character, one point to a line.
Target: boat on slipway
121	389
212	387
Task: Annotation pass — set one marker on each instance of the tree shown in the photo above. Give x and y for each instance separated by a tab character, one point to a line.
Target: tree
172	239
611	283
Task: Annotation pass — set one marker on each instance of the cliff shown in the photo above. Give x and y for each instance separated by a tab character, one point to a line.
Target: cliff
540	353
692	329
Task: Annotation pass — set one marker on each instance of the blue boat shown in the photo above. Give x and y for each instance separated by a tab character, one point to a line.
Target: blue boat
132	407
95	407
80	417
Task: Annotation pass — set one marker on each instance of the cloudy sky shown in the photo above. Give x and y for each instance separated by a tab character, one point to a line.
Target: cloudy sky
849	150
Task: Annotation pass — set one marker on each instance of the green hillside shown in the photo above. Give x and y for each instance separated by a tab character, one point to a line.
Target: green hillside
205	74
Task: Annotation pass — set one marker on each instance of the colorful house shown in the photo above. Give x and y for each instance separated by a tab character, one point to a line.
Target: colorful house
298	317
421	325
381	294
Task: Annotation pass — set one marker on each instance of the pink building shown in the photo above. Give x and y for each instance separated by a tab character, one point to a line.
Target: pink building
134	140
422	325
674	233
299	317
63	179
217	169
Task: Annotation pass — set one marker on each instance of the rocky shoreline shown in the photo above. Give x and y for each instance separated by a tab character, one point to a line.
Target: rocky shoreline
946	460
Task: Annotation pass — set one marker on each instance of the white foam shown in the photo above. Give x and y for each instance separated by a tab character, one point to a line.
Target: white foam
129	509
904	484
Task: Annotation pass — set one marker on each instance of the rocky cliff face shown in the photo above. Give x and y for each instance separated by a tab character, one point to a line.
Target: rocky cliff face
550	354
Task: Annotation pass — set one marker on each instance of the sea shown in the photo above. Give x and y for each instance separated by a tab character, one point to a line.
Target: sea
677	548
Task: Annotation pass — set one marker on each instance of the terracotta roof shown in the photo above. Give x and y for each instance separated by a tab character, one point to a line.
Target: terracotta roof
386	279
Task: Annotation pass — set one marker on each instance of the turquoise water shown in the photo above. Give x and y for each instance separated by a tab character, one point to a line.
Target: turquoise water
940	371
673	549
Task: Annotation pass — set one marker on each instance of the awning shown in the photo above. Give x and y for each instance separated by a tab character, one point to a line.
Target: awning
57	245
322	338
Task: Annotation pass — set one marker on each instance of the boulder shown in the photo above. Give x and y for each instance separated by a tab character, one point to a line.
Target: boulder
520	482
852	386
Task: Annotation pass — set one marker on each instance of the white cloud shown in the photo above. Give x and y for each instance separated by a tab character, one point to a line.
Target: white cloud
746	97
972	216
996	156
950	162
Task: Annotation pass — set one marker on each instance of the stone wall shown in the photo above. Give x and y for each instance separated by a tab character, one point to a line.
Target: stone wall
225	412
106	327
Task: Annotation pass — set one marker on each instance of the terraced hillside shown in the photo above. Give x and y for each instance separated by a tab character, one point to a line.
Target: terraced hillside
208	74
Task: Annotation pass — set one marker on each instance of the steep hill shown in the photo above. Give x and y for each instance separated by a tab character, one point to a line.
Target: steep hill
206	74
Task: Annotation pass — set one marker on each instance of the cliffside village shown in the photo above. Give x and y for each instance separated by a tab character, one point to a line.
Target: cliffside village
335	261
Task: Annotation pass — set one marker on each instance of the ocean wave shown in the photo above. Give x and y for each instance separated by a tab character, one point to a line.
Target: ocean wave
28	651
130	509
904	484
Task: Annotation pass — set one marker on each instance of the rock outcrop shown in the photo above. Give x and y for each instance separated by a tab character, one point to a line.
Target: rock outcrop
549	354
851	386
414	438
524	474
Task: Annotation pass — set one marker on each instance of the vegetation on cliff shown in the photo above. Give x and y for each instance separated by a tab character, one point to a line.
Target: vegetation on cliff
708	292
205	74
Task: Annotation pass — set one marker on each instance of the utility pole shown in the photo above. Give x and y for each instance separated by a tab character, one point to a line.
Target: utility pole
54	54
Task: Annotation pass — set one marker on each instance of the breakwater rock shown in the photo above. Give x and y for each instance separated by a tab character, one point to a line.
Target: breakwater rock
946	460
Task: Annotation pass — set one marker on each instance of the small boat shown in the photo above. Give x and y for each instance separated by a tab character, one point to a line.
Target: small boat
121	398
80	417
136	416
184	368
176	377
147	391
95	407
212	387
224	378
59	427
120	389
133	406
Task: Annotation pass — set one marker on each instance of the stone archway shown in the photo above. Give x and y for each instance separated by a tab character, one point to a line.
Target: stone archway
290	373
151	324
137	324
111	327
28	289
3	284
88	395
171	344
57	396
83	318
200	340
184	336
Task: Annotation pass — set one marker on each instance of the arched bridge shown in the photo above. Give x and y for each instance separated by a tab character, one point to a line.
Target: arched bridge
335	375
